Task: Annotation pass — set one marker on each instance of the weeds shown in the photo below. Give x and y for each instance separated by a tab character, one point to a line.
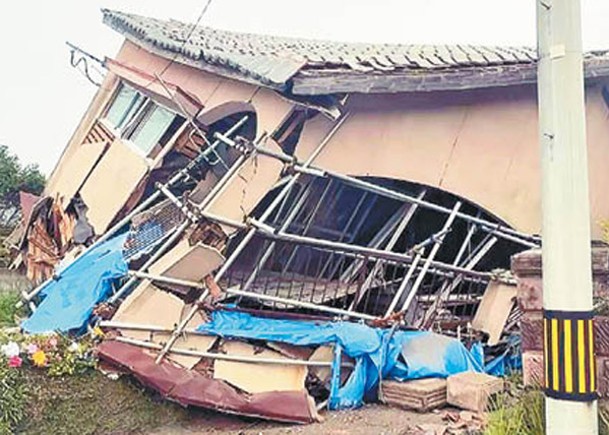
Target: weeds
90	403
13	396
11	286
523	415
8	311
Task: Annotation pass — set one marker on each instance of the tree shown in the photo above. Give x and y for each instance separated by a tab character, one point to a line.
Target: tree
14	177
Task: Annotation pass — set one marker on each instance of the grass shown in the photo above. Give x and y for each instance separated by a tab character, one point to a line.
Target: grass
11	286
8	312
92	404
524	414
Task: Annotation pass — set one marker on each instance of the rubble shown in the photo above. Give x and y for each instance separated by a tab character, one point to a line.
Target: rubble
472	391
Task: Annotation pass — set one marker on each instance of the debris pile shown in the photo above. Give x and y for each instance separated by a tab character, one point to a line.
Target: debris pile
300	306
237	270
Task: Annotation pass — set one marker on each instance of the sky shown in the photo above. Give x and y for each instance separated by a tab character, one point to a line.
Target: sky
42	98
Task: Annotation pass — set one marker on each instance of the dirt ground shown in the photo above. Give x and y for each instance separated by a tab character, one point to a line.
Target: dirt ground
371	419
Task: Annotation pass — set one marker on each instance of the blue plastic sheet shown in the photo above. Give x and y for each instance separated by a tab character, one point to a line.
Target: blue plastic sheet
68	301
377	352
509	361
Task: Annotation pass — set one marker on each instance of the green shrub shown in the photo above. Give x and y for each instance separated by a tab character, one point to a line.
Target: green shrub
8	311
12	397
523	415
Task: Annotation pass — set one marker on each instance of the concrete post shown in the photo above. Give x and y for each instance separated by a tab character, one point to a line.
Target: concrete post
570	384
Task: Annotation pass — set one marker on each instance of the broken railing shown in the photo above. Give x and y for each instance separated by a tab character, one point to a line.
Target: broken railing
322	277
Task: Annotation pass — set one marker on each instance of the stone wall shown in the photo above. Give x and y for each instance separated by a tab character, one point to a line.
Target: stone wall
526	266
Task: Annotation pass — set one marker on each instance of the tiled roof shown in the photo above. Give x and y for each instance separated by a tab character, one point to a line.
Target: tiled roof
306	64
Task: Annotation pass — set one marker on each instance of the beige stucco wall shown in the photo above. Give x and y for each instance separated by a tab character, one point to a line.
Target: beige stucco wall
481	145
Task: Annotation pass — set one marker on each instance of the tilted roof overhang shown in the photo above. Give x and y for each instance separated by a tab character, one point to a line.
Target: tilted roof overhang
311	67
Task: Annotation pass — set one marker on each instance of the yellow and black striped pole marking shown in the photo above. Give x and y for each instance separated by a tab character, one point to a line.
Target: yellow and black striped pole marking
570	370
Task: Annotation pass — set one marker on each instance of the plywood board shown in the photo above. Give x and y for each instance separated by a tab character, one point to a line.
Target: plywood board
75	170
191	263
258	378
111	183
494	310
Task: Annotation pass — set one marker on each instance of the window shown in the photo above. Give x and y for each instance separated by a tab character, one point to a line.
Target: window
140	120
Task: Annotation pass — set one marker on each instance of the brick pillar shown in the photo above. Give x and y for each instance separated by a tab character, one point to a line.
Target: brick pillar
526	266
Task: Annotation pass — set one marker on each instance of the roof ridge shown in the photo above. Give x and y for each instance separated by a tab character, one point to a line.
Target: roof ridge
312	40
312	66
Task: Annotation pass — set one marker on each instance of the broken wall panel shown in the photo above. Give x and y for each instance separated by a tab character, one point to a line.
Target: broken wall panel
494	310
258	378
148	305
186	262
198	342
60	172
76	169
111	184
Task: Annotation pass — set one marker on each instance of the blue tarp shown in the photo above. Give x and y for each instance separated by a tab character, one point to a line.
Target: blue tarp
509	361
394	354
70	298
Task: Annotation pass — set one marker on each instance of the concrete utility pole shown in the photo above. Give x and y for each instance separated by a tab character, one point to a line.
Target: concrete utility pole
570	383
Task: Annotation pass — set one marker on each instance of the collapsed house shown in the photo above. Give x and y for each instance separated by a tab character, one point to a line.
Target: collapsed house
259	221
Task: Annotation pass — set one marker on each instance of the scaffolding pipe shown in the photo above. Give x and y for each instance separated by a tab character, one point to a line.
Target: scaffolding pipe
527	239
284	226
428	261
376	242
355	251
389	247
309	222
404	283
249	235
234	358
448	288
143	327
271	232
182	173
254	295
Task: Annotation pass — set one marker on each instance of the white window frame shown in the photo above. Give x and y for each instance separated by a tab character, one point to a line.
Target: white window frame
132	124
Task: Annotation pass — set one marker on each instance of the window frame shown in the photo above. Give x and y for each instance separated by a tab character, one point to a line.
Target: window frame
130	126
